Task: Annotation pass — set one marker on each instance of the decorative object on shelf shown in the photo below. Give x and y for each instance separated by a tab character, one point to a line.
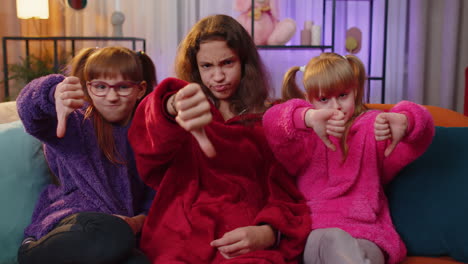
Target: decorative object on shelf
306	33
26	9
316	35
353	40
117	20
77	4
267	28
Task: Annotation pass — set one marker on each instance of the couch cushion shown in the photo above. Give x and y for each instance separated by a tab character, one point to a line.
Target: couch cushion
23	174
8	112
429	198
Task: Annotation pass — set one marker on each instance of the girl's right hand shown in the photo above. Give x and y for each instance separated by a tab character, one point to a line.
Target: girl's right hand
193	114
245	239
326	122
135	223
68	96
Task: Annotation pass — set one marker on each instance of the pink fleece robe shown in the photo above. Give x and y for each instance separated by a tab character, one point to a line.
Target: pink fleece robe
348	194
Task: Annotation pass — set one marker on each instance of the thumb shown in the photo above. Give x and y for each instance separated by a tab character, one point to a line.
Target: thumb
328	143
61	124
337	115
204	142
390	148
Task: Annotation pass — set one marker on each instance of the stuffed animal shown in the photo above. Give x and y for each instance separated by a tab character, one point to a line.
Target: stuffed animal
268	30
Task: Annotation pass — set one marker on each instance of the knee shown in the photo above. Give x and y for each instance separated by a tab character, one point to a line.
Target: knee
330	237
110	235
334	236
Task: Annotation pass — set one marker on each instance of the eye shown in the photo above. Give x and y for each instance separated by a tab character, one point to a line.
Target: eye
323	99
99	86
227	62
124	86
205	65
343	95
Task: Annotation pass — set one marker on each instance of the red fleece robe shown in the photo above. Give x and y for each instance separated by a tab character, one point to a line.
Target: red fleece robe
199	199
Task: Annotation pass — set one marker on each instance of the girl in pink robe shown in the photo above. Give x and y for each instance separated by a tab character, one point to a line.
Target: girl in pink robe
343	155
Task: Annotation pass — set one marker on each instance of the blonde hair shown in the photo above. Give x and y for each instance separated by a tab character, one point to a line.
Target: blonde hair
329	73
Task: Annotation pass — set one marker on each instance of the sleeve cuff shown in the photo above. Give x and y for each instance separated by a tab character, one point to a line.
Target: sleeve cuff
164	110
299	117
277	235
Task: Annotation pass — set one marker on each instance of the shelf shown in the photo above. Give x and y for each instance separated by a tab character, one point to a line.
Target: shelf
293	47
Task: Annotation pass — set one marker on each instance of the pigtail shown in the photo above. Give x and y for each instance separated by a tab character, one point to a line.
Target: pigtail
149	71
77	65
290	89
361	77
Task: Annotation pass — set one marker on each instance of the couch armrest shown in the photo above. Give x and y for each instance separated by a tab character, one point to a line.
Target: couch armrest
8	112
442	116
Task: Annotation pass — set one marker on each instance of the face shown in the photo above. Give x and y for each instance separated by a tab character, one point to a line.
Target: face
343	101
220	68
113	107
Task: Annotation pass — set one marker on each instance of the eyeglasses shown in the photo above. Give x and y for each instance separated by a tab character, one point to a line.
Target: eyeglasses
101	89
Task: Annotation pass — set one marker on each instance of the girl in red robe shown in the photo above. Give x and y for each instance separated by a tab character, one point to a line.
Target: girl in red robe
221	195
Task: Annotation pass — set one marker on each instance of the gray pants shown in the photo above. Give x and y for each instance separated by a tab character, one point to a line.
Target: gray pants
335	246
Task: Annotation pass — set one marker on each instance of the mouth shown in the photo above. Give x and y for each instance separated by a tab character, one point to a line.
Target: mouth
112	106
220	88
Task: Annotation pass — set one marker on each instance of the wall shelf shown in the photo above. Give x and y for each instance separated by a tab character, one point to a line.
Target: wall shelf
332	38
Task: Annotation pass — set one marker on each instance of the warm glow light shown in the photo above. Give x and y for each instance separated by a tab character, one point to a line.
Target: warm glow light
32	9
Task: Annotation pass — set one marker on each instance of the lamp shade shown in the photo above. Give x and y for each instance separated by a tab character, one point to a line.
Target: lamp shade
32	9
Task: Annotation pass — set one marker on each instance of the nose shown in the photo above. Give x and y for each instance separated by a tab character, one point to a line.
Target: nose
218	74
335	104
112	95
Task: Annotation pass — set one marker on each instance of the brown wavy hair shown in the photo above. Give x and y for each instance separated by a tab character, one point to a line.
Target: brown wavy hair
109	62
254	89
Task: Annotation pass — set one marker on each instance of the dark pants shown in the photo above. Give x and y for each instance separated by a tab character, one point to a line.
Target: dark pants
88	238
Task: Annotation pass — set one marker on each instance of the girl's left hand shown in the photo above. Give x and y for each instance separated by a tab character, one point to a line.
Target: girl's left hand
390	125
135	223
243	240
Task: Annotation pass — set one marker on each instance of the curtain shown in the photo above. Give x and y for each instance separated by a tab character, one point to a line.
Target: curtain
426	39
437	55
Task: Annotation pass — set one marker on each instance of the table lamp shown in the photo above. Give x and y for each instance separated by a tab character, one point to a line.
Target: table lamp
26	9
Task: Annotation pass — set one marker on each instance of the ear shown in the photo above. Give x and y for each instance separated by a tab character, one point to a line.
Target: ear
142	89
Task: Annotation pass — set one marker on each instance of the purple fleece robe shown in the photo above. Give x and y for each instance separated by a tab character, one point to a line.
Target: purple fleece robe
88	180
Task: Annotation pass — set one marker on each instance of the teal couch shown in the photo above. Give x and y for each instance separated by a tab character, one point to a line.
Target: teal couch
428	200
